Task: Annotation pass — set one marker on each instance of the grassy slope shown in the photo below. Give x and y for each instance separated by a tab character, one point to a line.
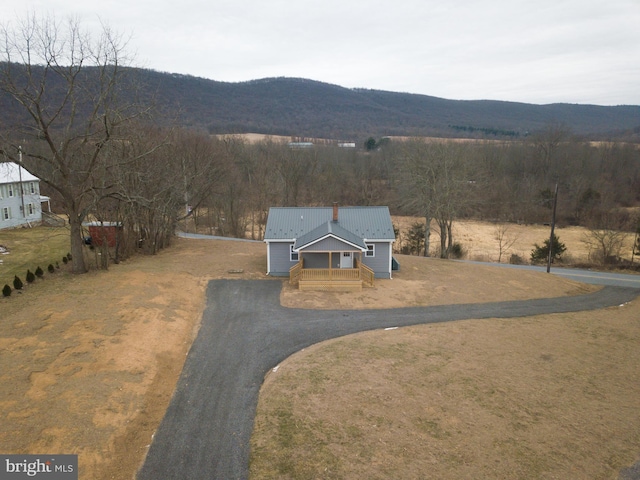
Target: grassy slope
29	248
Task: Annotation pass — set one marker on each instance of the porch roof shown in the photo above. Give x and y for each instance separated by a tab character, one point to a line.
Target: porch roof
329	229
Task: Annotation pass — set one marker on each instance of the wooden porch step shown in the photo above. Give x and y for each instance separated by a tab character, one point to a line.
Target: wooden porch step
335	285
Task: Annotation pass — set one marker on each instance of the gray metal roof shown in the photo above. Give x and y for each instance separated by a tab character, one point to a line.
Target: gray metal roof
326	229
290	223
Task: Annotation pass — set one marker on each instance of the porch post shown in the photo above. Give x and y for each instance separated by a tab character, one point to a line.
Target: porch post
330	262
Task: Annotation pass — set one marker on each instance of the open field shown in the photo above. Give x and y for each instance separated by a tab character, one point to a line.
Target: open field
88	365
479	242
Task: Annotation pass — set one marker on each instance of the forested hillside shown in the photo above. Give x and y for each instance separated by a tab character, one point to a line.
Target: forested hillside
306	108
298	107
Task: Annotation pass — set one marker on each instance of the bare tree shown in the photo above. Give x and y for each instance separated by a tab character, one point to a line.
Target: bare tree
201	164
635	249
258	178
417	193
435	182
604	244
294	166
66	88
547	142
505	239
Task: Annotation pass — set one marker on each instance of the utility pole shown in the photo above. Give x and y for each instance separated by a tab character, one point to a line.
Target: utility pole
553	227
24	213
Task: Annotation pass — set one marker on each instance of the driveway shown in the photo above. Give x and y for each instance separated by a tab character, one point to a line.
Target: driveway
245	332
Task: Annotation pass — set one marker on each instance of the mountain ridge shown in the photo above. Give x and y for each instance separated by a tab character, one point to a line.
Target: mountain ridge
303	107
300	107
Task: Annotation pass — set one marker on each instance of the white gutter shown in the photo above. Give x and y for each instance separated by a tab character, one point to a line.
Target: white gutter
268	258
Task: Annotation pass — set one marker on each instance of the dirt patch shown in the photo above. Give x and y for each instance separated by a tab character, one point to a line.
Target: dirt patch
88	363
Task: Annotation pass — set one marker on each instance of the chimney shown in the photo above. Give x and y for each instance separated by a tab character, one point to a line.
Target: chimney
335	211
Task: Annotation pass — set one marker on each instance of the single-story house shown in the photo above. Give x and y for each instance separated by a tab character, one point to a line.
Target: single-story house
329	247
20	200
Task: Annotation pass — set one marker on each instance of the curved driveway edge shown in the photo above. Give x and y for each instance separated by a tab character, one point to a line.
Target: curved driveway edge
245	332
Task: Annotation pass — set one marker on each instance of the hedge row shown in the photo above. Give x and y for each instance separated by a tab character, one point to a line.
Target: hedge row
31	276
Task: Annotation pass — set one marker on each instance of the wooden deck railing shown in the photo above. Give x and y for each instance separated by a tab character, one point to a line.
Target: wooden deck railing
295	273
361	272
367	275
330	274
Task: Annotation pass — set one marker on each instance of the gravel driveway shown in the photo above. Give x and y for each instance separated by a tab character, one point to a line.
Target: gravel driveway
245	332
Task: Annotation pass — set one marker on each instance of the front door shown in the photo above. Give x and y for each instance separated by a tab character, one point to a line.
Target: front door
346	260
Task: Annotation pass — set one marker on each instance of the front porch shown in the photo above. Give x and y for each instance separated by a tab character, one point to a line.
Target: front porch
342	279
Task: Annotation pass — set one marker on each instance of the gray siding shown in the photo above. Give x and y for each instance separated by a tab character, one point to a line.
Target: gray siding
320	260
280	262
330	245
280	259
380	263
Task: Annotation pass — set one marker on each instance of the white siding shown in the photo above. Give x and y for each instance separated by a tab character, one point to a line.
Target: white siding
11	205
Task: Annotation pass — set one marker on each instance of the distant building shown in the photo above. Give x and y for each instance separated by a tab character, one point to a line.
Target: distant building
300	144
20	200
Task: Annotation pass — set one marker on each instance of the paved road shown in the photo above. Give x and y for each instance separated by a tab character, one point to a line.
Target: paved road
579	275
245	332
599	278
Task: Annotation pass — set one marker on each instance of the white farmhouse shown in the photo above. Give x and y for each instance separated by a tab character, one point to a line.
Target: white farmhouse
20	200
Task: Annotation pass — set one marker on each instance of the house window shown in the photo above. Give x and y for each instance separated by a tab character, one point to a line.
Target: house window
6	214
10	187
30	209
32	187
294	256
371	251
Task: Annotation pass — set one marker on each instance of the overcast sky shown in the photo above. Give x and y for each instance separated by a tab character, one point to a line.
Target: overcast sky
542	51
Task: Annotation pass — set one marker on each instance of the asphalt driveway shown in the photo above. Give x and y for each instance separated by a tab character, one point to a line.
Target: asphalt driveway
245	332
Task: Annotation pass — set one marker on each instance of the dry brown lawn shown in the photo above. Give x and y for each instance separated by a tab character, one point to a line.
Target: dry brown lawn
88	365
552	396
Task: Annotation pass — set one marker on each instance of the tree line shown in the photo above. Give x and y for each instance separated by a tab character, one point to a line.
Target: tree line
106	156
439	181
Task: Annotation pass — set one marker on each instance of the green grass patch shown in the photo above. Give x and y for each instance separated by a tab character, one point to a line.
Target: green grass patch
30	248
